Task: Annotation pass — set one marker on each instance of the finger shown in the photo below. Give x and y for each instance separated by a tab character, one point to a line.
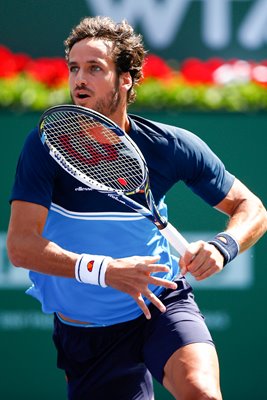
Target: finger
141	303
192	251
153	268
150	259
206	274
192	258
182	265
162	282
155	300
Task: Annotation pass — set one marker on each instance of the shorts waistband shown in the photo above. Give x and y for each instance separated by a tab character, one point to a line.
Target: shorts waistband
74	322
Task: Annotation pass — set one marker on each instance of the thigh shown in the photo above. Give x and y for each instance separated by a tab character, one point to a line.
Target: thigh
182	324
103	363
192	372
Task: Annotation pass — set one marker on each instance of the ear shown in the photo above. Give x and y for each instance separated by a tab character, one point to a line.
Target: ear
126	81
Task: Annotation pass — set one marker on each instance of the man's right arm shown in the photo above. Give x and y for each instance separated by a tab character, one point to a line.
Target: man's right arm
28	249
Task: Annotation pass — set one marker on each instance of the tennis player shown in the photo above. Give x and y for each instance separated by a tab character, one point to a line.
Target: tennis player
140	320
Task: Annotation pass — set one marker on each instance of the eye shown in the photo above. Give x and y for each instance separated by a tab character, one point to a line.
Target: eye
73	68
95	68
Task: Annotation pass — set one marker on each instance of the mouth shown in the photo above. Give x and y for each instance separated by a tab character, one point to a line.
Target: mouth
82	95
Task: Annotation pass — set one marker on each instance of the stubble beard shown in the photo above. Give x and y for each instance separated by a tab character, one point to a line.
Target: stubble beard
107	105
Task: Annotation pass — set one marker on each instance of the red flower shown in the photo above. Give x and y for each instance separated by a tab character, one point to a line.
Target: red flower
11	64
213	63
50	71
21	61
197	71
156	67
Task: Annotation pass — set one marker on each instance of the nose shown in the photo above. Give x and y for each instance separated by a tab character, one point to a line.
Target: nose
80	79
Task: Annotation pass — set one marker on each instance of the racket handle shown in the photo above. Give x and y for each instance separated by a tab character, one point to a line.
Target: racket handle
175	238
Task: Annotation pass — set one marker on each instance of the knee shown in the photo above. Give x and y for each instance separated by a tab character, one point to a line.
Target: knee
192	373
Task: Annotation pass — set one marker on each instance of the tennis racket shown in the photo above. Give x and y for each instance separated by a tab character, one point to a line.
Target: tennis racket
97	152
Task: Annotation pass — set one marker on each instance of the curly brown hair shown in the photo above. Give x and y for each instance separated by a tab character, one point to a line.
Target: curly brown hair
128	50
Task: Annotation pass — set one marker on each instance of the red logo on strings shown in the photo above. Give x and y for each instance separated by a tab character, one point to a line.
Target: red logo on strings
94	154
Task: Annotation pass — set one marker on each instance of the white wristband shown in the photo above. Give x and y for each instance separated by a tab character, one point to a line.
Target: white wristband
91	269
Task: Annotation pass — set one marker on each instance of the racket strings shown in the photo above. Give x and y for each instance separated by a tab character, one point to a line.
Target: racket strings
94	150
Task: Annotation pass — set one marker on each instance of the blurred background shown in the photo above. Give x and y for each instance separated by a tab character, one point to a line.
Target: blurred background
206	71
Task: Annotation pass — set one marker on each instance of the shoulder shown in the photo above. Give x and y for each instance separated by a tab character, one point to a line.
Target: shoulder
35	172
34	149
32	139
33	144
178	138
34	162
187	157
158	128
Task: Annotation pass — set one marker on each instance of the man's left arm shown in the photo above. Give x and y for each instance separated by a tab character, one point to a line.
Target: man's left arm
246	225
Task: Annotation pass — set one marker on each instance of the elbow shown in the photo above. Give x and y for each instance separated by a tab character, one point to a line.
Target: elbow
262	212
15	253
262	218
265	219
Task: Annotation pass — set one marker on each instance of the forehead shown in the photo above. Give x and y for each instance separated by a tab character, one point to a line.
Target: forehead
97	48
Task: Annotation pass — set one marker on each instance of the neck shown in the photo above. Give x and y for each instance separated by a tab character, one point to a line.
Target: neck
122	120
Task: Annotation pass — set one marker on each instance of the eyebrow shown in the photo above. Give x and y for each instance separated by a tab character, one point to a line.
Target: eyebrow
87	62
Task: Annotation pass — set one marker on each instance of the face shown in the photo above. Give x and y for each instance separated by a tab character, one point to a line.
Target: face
93	79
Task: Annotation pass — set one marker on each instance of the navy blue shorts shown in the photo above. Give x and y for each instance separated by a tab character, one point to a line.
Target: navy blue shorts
119	361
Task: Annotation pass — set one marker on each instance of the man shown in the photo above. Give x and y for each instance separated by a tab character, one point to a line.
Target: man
141	321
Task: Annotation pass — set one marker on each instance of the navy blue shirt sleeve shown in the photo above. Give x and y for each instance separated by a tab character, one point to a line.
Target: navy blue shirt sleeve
201	170
176	154
35	173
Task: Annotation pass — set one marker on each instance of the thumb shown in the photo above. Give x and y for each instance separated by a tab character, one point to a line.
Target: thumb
182	265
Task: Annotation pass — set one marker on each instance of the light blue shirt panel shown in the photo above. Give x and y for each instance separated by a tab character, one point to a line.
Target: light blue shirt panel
113	234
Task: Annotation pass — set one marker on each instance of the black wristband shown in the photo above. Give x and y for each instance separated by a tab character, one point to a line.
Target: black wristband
226	245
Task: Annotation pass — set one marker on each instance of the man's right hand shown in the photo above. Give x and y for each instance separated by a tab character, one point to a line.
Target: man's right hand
132	275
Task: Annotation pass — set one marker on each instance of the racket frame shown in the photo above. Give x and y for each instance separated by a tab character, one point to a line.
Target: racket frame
60	159
152	213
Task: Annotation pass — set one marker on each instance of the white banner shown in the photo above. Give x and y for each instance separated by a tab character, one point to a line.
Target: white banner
162	21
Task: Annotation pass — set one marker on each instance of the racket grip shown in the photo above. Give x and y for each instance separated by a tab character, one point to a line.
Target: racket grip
175	238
